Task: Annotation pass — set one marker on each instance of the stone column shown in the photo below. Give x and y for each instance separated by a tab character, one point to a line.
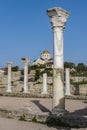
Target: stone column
67	81
58	19
44	86
9	64
25	61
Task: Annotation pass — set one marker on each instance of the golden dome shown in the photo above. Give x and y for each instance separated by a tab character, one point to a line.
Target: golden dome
45	52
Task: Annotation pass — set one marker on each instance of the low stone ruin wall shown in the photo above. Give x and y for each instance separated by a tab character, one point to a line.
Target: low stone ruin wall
79	89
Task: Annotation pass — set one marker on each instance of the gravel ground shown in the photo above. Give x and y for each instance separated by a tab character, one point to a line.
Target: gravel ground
39	105
13	124
43	104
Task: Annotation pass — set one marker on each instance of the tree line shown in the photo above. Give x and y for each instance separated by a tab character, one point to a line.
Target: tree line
80	67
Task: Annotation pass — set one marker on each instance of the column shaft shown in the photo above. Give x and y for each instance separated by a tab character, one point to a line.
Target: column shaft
58	19
25	61
25	77
58	92
58	83
9	77
67	81
58	47
44	86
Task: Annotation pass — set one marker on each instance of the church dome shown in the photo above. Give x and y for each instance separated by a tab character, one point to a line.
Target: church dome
45	55
45	52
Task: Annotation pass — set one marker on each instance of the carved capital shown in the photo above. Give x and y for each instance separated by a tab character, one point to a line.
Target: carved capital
9	63
58	22
58	17
25	60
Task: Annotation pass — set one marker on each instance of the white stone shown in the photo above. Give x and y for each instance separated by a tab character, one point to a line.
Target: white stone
58	48
44	86
44	58
67	81
58	18
25	61
9	77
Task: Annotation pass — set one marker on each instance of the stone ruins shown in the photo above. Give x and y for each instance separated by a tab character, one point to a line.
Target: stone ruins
54	86
25	61
58	18
9	77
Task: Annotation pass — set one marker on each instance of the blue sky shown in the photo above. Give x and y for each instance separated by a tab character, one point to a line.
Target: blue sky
25	30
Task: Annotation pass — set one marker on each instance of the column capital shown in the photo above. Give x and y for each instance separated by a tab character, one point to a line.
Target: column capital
67	68
58	17
9	63
25	60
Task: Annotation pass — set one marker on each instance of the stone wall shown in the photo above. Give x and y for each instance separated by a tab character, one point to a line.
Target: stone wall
78	79
83	89
17	84
36	87
79	89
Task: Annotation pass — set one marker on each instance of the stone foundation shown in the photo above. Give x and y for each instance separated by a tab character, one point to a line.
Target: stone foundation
35	87
72	121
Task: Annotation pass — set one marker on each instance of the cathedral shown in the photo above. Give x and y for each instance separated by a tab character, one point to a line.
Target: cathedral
45	59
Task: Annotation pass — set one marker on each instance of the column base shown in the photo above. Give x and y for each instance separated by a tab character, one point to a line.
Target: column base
9	91
56	112
67	94
44	93
25	92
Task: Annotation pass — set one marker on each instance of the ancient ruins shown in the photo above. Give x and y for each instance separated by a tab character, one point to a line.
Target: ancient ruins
50	87
58	19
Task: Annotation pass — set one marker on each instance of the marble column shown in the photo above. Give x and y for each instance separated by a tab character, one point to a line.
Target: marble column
25	61
9	64
44	86
67	81
58	18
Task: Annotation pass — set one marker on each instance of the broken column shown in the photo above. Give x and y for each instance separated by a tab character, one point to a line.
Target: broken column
58	19
25	61
44	86
67	81
9	64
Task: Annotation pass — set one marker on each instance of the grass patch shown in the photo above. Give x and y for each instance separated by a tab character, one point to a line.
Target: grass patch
34	119
23	118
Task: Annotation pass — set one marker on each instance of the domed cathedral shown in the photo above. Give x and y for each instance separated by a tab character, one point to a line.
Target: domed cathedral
45	59
46	55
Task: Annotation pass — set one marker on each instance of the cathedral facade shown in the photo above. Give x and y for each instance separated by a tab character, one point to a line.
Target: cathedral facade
45	59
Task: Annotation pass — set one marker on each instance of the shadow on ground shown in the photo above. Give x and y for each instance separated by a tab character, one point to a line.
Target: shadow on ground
76	119
40	106
82	112
51	123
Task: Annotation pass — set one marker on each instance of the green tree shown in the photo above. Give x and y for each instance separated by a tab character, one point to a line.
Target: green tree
69	65
49	72
80	67
33	67
37	74
15	68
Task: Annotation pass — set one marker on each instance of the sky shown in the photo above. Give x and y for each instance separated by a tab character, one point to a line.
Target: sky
25	30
